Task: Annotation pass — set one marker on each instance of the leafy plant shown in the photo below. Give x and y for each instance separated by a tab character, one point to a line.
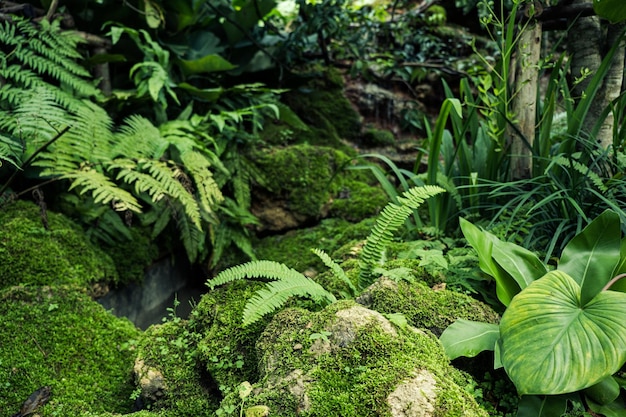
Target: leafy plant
287	282
561	323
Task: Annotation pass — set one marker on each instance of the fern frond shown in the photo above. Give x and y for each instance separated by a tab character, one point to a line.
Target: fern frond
139	138
160	181
208	191
255	269
192	236
389	221
103	190
276	293
595	179
337	270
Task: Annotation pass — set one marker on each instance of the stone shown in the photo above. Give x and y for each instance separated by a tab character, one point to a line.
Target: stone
354	363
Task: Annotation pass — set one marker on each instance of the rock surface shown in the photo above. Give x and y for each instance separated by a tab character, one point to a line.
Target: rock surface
350	361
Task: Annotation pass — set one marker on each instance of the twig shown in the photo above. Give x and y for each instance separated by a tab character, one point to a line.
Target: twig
32	158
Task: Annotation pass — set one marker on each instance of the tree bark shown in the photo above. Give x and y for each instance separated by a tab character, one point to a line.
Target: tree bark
524	104
588	41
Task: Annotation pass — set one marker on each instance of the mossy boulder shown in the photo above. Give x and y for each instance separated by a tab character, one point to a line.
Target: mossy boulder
352	362
423	307
373	137
59	337
296	185
322	105
226	348
168	373
293	248
60	253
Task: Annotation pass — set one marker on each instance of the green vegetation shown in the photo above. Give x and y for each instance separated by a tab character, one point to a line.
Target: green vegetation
48	249
232	130
63	339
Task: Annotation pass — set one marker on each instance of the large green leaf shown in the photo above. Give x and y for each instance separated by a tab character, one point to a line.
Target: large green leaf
523	265
482	242
553	344
613	10
469	338
591	256
542	406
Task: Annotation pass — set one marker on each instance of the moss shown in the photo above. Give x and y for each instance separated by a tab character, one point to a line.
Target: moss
377	137
357	200
423	307
58	336
322	105
172	349
300	174
61	254
312	366
294	248
226	348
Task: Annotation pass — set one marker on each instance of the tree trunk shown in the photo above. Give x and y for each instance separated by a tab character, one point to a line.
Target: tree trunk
587	43
524	104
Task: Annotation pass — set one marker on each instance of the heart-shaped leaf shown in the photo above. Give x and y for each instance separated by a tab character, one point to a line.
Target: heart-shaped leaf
552	344
469	338
592	255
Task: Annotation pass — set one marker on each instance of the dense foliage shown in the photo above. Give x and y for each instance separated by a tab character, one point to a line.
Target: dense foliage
160	125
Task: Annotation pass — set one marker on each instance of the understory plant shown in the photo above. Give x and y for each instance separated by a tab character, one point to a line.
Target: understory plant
562	336
286	282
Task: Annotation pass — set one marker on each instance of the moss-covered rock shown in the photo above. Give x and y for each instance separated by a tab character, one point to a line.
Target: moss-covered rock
322	105
168	373
59	337
226	348
424	307
294	247
296	184
377	137
32	254
350	361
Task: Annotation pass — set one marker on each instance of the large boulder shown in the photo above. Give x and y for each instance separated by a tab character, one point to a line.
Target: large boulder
60	338
351	361
46	248
424	307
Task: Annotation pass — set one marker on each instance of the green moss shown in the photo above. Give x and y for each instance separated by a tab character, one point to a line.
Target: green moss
357	200
172	349
301	174
377	137
226	348
423	307
58	336
309	369
294	248
328	113
61	254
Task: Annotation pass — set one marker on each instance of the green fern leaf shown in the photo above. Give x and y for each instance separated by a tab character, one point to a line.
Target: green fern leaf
276	293
337	270
103	190
254	269
389	221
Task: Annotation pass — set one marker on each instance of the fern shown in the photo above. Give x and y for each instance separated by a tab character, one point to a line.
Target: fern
336	269
29	53
389	221
287	283
275	294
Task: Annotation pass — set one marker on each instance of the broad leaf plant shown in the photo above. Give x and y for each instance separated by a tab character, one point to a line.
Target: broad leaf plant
563	333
